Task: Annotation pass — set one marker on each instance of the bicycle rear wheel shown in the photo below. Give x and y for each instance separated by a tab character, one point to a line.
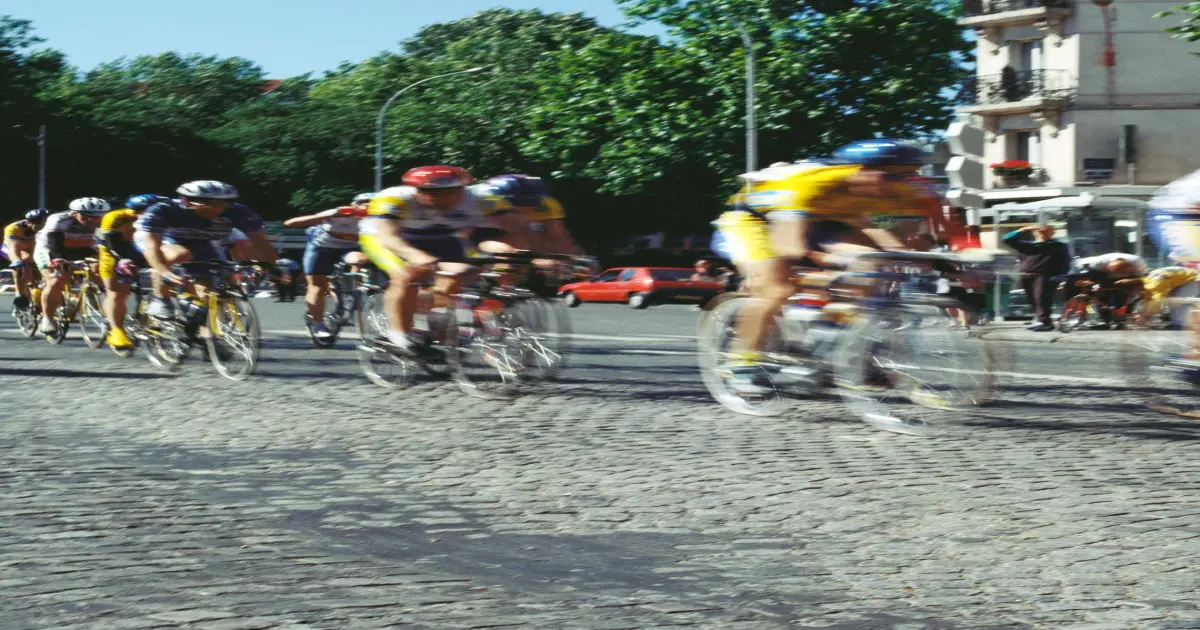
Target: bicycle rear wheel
26	320
716	338
234	336
92	325
545	336
902	371
379	362
1076	312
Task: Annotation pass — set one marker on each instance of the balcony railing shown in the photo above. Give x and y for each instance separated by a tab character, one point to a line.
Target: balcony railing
1015	86
974	8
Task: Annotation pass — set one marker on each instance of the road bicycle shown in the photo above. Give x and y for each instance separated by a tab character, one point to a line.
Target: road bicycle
491	337
223	321
1094	304
82	303
1163	366
883	347
349	288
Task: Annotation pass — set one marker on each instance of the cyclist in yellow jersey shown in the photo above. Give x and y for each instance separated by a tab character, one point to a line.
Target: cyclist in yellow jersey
120	261
531	213
18	248
409	228
815	211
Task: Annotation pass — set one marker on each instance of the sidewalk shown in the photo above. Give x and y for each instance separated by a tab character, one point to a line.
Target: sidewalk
1018	331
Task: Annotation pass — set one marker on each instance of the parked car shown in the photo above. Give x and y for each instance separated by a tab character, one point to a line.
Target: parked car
640	287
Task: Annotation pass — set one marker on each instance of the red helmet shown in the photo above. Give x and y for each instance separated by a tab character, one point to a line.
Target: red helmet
437	177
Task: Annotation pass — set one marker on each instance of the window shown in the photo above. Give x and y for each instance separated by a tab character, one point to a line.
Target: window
674	275
607	276
627	275
1031	56
1028	146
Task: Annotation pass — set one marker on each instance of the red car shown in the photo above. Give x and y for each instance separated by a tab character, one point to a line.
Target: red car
641	286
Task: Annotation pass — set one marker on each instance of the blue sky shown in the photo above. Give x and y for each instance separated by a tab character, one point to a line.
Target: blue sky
285	37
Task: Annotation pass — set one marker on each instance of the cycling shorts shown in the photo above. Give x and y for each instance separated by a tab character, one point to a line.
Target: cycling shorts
1176	235
41	256
319	261
109	260
389	262
745	237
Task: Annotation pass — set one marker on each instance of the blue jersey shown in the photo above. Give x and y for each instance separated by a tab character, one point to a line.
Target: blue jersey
184	226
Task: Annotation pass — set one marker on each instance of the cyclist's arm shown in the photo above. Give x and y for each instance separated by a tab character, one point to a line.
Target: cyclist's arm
310	219
260	247
151	243
385	231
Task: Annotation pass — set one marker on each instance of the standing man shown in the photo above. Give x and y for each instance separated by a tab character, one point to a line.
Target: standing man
1042	258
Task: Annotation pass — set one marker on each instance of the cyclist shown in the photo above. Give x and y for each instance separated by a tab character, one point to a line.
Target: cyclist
188	230
1118	276
18	249
408	228
536	219
818	212
65	236
1173	223
120	261
332	237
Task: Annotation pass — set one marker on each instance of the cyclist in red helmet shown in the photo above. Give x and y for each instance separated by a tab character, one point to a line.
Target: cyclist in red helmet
409	228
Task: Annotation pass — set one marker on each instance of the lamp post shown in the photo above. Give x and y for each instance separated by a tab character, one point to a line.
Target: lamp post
40	139
751	119
379	124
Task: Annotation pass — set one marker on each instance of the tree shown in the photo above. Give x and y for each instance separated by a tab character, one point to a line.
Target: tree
1189	29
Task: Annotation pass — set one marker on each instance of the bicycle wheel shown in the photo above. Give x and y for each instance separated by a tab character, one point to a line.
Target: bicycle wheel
334	318
379	363
1162	367
890	360
1075	313
92	325
544	333
716	338
483	349
26	320
62	323
234	336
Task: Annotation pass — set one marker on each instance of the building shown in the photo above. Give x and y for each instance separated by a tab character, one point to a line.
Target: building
1096	96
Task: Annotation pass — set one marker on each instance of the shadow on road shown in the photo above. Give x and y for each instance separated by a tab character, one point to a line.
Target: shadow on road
82	373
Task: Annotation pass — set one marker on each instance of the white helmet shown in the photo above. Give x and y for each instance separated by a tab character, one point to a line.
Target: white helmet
207	189
364	197
91	206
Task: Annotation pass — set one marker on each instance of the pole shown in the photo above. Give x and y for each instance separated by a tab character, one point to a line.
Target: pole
379	124
41	140
751	119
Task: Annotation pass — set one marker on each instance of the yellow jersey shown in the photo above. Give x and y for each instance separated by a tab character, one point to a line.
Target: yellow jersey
823	192
19	231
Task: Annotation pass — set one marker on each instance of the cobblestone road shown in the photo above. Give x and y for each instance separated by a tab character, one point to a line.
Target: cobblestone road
621	497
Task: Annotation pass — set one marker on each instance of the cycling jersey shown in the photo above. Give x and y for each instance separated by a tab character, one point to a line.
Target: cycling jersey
1173	219
62	237
546	208
815	191
20	230
202	237
336	232
439	232
114	240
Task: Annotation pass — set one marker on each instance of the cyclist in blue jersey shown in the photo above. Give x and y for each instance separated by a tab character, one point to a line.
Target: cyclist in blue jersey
189	230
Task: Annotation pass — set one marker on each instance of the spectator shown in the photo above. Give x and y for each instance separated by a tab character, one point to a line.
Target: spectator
1042	258
702	272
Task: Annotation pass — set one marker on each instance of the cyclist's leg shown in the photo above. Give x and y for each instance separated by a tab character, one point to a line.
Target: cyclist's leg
173	254
399	298
318	265
54	284
748	239
115	295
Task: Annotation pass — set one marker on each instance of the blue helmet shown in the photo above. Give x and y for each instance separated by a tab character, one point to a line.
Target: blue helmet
520	190
882	152
141	202
37	215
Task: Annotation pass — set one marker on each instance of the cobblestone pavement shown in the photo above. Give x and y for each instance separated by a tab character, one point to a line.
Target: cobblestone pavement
620	497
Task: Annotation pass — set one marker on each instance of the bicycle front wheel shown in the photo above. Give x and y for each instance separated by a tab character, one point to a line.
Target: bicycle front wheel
484	350
902	370
92	325
379	362
234	336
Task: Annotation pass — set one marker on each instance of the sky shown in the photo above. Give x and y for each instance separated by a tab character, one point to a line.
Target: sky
285	37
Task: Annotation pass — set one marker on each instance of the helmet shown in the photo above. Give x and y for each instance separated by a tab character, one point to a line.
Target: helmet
141	202
91	206
881	152
207	189
37	215
437	177
363	198
521	190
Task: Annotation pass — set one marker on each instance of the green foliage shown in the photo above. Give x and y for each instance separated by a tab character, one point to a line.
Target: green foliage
1189	29
637	134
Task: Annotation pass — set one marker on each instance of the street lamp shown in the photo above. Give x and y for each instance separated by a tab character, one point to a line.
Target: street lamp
41	141
751	121
383	117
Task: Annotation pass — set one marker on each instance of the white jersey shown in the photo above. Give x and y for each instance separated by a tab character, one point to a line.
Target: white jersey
74	234
1181	196
1099	262
337	232
418	222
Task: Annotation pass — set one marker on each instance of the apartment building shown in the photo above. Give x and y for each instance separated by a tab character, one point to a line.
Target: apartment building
1093	93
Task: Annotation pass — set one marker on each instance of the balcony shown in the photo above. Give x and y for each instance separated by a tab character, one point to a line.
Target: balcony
1039	177
1017	92
991	14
